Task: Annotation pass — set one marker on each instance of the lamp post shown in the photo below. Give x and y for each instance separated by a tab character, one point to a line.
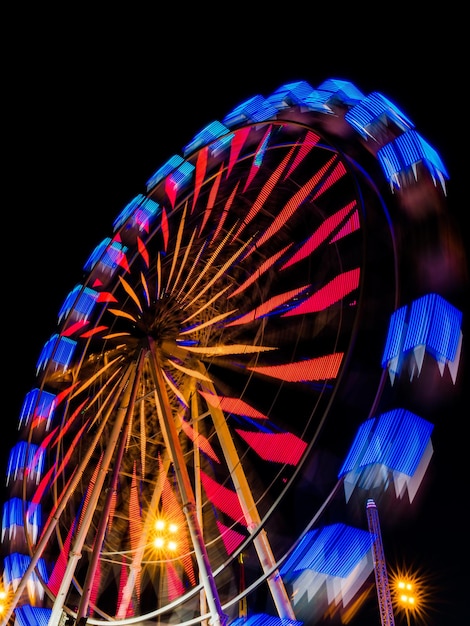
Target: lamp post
406	597
413	590
3	599
164	542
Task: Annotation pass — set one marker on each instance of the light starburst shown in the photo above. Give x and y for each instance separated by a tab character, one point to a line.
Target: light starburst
413	591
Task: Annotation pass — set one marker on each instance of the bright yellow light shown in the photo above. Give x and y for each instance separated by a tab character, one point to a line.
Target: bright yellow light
162	540
172	545
407	599
4	600
412	592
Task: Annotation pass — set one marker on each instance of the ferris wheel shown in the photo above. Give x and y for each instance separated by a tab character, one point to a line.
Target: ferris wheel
215	345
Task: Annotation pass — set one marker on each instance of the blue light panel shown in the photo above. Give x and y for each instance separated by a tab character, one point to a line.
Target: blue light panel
396	333
256	109
406	151
182	174
430	322
28	615
25	455
414	149
263	619
58	350
389	160
206	136
37	404
13	514
220	145
330	92
108	253
396	439
163	171
81	300
376	108
140	212
332	550
317	100
290	94
16	565
435	324
343	90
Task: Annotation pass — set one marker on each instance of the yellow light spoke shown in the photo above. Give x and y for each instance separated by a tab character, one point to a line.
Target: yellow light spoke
130	292
119	313
214	320
228	349
190	372
207	304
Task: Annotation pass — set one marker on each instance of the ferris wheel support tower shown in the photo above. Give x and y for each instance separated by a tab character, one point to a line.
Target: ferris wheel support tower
380	566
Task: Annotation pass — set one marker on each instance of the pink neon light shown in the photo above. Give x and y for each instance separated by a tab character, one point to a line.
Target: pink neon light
199	440
225	212
171	188
106	296
135	522
201	166
95	587
94	331
174	583
333	178
231	538
44	482
112	509
321	368
263	268
319	236
122	583
135	519
294	203
267	307
223	498
310	141
74	328
58	571
89	491
63	394
264	193
38	494
349	227
143	251
238	140
97	283
332	292
165	228
211	200
122	262
276	447
259	156
232	405
56	505
69	423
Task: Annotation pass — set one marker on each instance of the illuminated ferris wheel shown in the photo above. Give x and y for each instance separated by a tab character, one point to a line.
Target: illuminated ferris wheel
214	347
